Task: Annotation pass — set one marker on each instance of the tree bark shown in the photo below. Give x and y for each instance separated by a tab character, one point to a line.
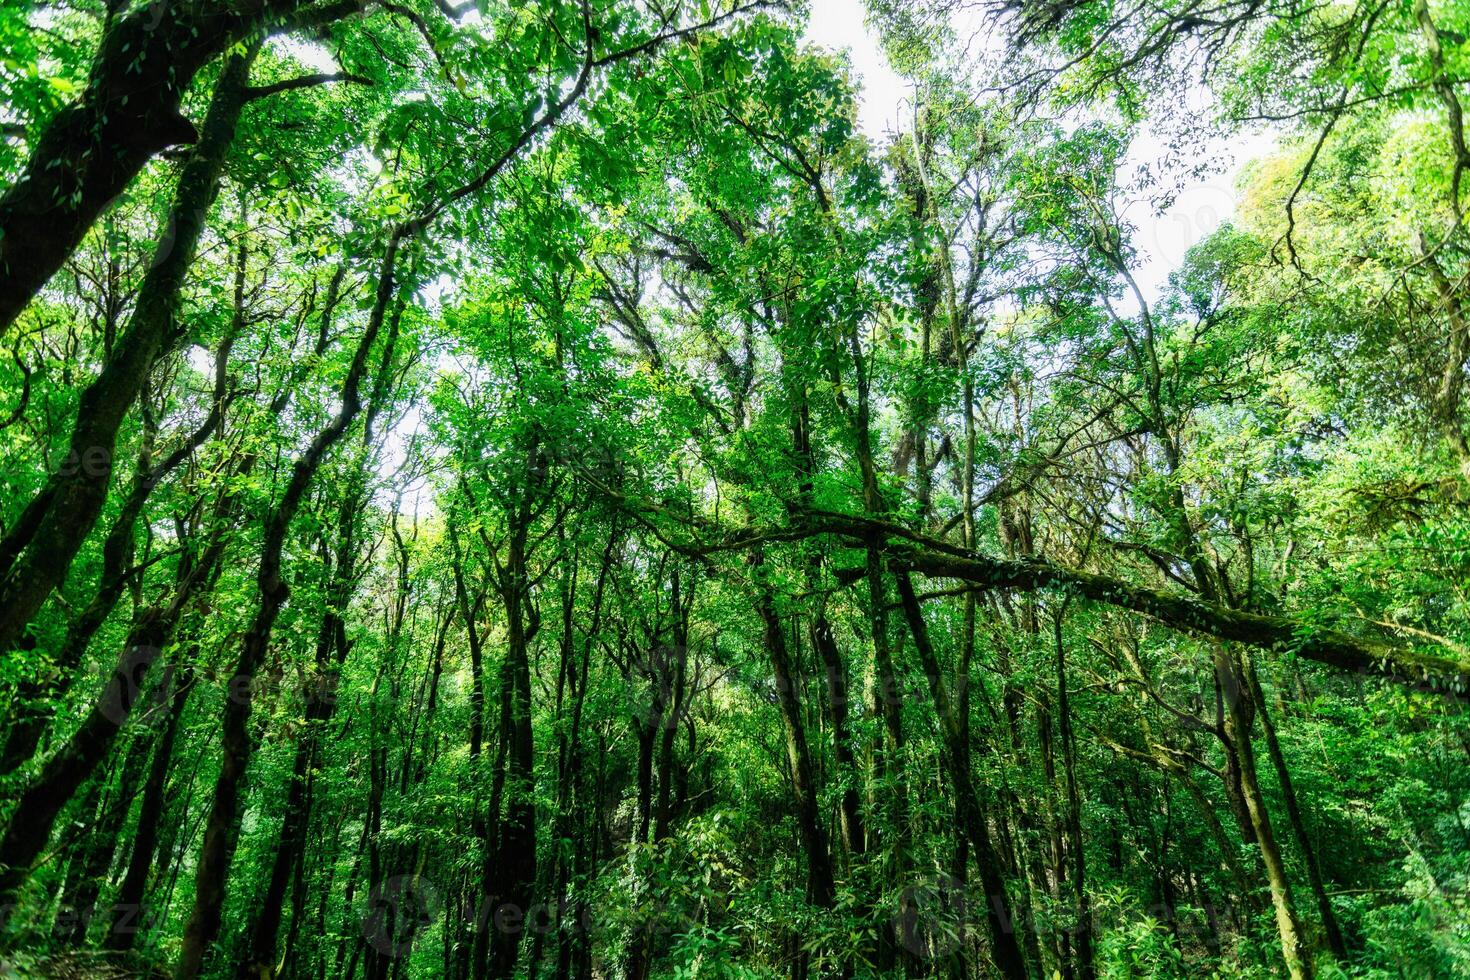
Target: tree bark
222	825
1084	961
129	111
30	718
803	780
1238	724
1437	668
67	507
130	915
1333	931
510	894
1004	949
332	647
66	770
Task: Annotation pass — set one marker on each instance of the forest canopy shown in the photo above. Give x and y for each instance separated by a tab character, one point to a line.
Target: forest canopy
536	488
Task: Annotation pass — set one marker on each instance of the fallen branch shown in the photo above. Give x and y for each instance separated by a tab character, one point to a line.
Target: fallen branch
1434	666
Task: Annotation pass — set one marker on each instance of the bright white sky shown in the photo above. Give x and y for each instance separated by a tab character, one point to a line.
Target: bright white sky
1198	208
842	24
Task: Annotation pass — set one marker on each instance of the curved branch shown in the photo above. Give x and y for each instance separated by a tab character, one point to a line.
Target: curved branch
253	92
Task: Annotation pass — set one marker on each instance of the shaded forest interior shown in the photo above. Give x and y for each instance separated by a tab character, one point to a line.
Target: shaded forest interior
532	488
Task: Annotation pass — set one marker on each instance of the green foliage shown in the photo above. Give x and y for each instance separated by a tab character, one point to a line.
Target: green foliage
629	382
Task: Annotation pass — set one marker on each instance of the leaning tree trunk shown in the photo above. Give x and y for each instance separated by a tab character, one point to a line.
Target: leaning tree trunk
91	150
340	572
102	840
91	804
40	549
29	720
222	826
66	770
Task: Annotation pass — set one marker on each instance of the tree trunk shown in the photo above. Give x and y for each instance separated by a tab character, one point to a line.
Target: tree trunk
1335	941
1085	964
321	702
510	899
102	840
65	510
30	718
1004	949
90	804
35	814
803	781
129	914
1238	720
222	825
91	150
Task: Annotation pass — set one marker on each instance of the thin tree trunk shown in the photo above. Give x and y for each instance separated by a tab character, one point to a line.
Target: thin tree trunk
1004	949
1237	719
91	802
1335	941
1086	966
129	914
332	648
102	840
510	897
798	756
66	770
222	826
29	720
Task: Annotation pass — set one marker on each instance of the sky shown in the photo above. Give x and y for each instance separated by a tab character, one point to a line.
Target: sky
1166	229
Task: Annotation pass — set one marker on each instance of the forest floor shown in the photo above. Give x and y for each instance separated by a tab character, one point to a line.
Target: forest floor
80	965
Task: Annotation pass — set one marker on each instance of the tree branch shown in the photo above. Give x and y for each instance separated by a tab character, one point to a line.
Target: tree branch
253	92
1434	666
